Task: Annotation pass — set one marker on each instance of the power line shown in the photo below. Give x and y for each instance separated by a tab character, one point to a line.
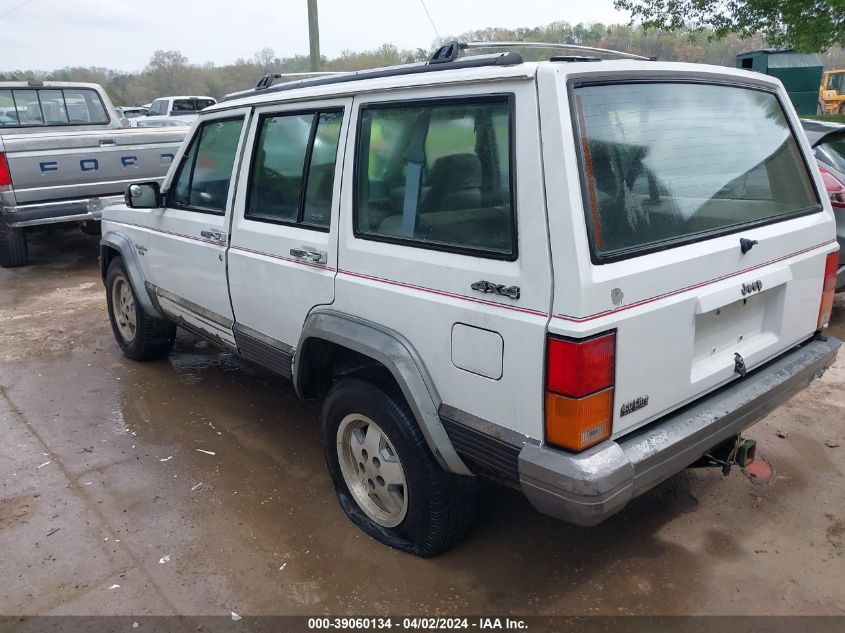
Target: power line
425	8
15	8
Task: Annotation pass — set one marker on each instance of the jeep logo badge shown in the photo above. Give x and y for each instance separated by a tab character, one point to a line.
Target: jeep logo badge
754	286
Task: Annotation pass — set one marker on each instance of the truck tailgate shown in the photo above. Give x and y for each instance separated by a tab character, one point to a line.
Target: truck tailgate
63	165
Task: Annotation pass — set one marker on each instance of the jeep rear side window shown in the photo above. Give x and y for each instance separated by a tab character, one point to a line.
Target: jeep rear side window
202	183
293	169
671	163
437	175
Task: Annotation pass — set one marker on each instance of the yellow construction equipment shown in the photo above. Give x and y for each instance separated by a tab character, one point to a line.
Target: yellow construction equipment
832	92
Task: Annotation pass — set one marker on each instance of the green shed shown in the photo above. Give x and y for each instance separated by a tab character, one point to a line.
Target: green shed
801	74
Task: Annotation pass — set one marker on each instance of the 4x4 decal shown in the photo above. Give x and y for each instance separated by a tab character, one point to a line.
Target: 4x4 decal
489	288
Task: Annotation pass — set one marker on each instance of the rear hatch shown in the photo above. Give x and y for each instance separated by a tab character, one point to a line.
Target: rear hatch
699	235
62	165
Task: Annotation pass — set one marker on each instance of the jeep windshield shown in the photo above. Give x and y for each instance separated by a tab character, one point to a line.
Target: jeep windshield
665	164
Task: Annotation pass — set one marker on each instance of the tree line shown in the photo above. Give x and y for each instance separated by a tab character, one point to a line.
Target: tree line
170	72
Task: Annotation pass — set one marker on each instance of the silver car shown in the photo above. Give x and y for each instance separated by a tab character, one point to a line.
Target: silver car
828	141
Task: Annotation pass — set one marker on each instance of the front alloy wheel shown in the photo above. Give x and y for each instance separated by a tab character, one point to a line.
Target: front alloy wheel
124	308
140	336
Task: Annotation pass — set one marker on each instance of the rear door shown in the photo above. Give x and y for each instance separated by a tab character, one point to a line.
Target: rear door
443	240
697	232
187	240
283	255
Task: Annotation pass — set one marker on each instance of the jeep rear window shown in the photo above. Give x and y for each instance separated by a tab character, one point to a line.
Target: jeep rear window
664	164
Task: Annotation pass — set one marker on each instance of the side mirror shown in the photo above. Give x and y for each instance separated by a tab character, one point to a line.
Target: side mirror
144	195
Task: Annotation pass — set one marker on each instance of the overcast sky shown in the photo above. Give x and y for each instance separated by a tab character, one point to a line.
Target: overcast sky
122	34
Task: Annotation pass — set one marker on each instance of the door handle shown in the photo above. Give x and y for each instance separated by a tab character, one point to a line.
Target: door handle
107	141
213	234
317	257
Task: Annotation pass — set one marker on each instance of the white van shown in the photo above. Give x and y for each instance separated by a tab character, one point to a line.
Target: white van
575	276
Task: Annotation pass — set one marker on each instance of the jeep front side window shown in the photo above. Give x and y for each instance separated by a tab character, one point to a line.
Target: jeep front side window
437	175
202	183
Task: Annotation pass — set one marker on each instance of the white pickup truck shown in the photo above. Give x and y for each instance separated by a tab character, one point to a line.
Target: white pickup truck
181	108
64	154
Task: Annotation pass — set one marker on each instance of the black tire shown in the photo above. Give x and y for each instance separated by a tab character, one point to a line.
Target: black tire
91	227
440	505
13	249
153	338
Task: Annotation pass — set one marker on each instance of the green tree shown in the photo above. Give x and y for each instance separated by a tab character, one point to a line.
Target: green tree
169	73
808	25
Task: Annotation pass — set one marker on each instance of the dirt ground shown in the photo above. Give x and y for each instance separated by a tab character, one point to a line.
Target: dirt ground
108	505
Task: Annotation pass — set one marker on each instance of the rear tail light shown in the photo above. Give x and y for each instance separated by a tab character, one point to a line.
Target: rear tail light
579	391
830	267
5	174
835	189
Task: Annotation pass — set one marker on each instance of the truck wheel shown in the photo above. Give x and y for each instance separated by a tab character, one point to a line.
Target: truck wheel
90	227
140	336
386	478
13	250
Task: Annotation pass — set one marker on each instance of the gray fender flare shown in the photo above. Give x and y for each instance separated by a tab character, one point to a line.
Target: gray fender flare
124	246
397	354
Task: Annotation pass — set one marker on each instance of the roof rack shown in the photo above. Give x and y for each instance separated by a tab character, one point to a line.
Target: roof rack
568	47
444	58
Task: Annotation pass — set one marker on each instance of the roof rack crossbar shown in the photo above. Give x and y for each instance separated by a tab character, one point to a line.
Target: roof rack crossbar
570	47
267	80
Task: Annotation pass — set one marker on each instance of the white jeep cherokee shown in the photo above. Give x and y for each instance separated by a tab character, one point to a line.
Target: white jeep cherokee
575	276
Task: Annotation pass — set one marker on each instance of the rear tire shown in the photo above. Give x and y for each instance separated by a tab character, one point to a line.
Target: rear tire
140	336
387	480
13	248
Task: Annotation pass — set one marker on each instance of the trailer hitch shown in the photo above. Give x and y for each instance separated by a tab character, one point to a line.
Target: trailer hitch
735	451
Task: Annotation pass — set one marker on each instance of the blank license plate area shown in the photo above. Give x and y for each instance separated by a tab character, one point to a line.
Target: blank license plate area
748	326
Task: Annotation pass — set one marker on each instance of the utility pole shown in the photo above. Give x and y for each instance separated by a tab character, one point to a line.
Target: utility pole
314	35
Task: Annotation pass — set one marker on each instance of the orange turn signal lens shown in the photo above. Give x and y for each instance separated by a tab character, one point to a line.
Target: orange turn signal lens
831	265
577	423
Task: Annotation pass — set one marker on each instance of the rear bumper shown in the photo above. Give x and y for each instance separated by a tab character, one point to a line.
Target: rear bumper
79	209
840	274
588	487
